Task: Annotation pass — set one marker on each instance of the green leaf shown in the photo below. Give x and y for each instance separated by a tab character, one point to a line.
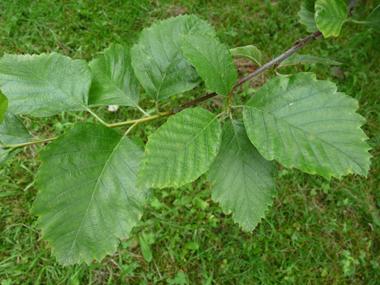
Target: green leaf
213	61
87	197
374	19
3	106
250	52
43	85
12	131
305	123
180	150
146	251
244	182
306	15
296	59
330	16
158	61
113	79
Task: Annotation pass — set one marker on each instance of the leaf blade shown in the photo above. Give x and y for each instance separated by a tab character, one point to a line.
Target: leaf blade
113	79
12	131
87	197
373	20
171	160
243	180
330	16
296	59
250	52
3	106
212	60
305	123
158	61
43	85
306	15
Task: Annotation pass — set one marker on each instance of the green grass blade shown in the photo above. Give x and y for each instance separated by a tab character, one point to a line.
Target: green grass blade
181	150
213	61
305	123
244	182
87	197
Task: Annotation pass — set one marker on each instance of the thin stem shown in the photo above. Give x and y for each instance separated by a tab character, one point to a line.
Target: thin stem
130	129
142	111
96	117
139	121
2	144
29	143
359	22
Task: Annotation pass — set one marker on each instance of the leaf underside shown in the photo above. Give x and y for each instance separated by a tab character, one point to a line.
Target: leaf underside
12	131
296	59
113	79
329	16
43	85
306	15
213	61
244	182
250	52
181	149
158	61
87	197
305	123
3	106
374	19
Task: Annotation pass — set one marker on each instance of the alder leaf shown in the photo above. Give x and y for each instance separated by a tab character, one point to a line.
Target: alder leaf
3	106
43	85
305	123
250	52
296	59
374	19
12	131
306	15
330	16
113	79
244	182
158	61
180	150
213	61
87	197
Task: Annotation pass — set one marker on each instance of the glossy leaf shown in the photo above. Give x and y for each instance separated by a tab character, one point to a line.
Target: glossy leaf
12	131
43	85
3	106
158	61
213	61
180	150
305	123
330	16
374	19
296	59
87	197
250	52
306	15
113	79
244	182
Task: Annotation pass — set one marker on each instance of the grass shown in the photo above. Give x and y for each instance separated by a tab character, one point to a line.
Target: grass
317	232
